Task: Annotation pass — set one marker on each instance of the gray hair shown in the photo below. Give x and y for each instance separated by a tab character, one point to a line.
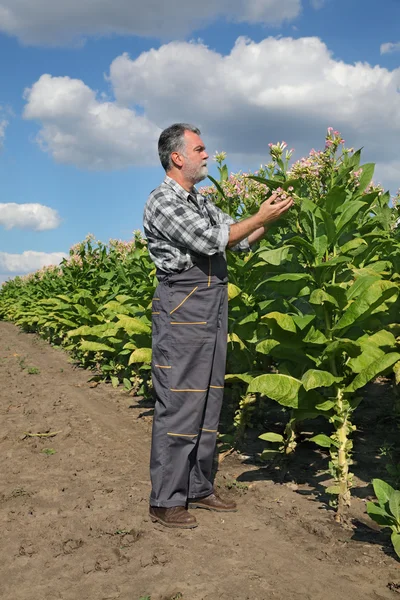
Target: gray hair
172	140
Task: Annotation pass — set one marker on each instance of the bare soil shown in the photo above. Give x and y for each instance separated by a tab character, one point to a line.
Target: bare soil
74	506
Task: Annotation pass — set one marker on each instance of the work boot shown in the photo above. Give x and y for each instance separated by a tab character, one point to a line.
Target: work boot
176	516
213	502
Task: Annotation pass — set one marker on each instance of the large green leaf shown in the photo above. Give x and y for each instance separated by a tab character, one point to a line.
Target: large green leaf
274	257
378	293
370	354
314	378
282	388
283	321
373	370
265	346
349	212
360	285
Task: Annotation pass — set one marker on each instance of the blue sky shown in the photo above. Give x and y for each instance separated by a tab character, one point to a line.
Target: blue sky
80	144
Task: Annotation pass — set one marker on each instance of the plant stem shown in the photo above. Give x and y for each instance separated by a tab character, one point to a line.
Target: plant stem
342	458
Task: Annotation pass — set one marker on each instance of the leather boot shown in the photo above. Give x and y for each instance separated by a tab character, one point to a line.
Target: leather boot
176	516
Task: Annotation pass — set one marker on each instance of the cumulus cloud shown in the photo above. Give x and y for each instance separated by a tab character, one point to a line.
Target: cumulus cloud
28	261
50	22
36	217
279	88
390	47
78	128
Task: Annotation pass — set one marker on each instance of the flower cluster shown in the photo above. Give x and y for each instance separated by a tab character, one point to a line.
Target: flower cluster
276	151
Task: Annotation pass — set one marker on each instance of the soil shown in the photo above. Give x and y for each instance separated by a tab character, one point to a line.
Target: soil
74	505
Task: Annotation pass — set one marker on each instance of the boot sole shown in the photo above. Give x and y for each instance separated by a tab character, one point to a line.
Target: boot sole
173	525
194	505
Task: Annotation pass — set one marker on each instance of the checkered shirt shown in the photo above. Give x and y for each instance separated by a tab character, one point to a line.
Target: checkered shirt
180	225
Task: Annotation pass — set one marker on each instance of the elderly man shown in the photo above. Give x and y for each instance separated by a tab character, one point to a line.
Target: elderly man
187	238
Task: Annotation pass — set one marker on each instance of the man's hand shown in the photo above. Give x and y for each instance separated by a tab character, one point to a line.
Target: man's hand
253	228
273	208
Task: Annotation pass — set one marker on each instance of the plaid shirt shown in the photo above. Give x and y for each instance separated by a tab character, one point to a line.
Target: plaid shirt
180	225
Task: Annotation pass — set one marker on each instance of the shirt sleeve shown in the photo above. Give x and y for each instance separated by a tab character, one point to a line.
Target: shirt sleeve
221	217
178	222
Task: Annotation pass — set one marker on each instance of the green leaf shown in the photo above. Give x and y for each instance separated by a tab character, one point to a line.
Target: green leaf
314	336
366	176
372	371
349	212
87	346
140	355
322	440
233	337
266	346
370	354
271	437
394	505
334	490
335	198
360	285
282	320
382	491
353	244
379	515
269	454
114	381
233	291
245	377
274	257
343	345
132	325
327	405
320	297
282	388
314	378
395	538
378	293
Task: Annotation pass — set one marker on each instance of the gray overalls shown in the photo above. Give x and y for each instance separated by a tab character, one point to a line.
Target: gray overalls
190	319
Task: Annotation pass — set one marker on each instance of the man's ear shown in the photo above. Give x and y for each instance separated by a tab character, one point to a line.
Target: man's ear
177	159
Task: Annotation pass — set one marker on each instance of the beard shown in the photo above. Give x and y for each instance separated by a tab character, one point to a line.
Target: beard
195	174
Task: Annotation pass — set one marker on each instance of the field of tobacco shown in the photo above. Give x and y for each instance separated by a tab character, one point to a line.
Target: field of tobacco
314	311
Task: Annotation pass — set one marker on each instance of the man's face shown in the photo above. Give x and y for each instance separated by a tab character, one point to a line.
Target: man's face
195	158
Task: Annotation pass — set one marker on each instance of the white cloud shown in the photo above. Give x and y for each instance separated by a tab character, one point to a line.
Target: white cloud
63	21
390	47
3	127
79	129
36	217
28	261
279	88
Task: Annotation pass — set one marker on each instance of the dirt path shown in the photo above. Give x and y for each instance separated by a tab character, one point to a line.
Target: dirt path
73	508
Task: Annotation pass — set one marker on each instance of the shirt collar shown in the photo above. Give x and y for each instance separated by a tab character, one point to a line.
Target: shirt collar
181	191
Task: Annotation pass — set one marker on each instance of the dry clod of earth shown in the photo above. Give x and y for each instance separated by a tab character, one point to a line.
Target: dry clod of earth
74	523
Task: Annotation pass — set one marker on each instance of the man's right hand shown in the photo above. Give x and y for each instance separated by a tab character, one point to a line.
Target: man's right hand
271	209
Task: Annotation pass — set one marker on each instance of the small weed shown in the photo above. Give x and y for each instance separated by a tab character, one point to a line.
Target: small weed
48	451
145	598
237	485
22	364
33	371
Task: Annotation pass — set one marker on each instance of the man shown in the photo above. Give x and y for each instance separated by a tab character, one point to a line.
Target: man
187	238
